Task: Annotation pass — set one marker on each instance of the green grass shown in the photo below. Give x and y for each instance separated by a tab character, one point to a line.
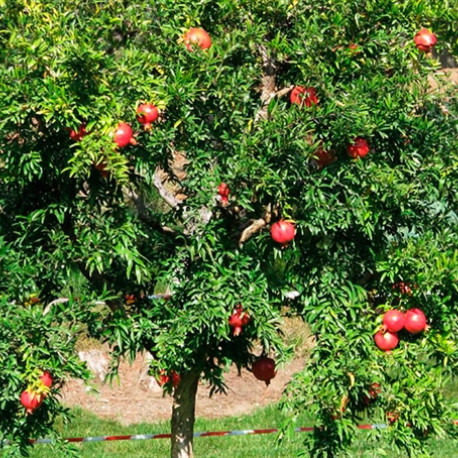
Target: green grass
257	446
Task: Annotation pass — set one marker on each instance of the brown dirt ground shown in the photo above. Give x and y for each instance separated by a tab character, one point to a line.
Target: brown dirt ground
132	402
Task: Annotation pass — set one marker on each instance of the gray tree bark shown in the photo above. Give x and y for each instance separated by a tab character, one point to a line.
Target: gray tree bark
183	415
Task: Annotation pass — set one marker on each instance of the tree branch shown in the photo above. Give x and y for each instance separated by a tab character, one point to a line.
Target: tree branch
142	209
254	227
166	195
268	83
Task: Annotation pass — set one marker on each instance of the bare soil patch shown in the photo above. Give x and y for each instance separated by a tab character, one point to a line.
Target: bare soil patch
132	401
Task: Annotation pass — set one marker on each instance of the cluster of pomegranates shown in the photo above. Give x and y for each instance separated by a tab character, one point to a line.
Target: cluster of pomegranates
359	147
31	399
164	378
413	321
263	368
147	113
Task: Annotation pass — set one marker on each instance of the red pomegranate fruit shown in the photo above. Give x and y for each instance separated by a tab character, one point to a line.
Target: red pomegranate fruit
196	36
79	134
238	320
425	40
415	321
223	190
147	113
175	379
282	232
165	378
303	96
359	148
264	369
324	158
46	379
393	321
386	341
30	401
123	135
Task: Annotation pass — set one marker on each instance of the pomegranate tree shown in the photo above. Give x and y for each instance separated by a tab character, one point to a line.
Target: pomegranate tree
403	288
252	110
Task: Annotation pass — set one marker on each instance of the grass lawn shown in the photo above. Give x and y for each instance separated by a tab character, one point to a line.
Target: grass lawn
257	446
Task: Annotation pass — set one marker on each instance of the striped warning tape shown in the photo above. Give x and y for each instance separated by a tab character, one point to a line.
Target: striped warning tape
243	432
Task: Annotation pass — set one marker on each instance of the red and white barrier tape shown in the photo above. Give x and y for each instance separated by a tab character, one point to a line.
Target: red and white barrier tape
243	432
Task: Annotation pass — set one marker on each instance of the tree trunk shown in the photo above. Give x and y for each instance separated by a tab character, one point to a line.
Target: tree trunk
183	415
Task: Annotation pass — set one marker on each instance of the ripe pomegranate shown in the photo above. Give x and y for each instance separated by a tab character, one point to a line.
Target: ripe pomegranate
324	158
303	96
393	320
30	401
46	379
415	321
196	36
282	231
123	135
78	135
147	114
425	40
386	341
223	190
165	378
238	320
359	148
264	369
392	417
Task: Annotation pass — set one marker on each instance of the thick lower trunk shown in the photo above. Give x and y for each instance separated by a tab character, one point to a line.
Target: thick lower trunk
183	415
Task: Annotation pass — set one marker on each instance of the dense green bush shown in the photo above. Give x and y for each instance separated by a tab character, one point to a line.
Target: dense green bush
89	219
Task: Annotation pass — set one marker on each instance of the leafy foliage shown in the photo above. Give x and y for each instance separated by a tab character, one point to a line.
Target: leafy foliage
89	213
